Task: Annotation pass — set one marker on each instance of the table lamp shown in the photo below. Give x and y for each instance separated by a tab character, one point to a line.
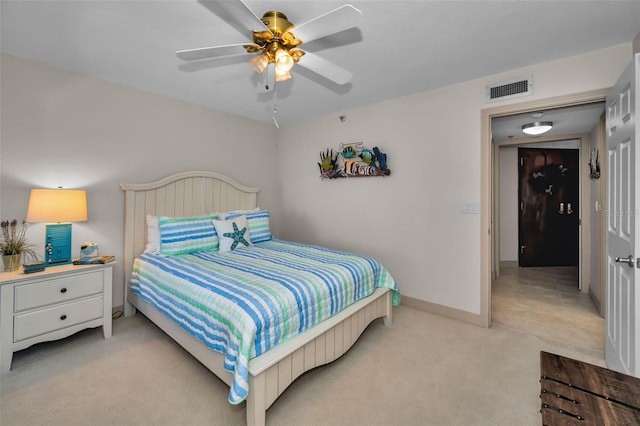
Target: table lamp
55	206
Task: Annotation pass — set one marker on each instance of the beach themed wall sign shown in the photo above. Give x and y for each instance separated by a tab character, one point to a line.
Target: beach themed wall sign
353	160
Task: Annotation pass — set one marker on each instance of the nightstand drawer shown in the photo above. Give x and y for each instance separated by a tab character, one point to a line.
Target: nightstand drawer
29	296
61	316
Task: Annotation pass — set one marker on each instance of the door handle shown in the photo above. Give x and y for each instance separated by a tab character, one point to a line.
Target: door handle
628	260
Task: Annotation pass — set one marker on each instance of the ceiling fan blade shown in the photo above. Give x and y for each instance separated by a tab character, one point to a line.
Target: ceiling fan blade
337	20
214	51
325	68
238	14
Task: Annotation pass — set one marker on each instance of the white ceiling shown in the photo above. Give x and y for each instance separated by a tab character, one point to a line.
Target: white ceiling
403	47
566	121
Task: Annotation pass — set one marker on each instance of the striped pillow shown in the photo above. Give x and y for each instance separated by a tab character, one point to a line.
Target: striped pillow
181	235
259	226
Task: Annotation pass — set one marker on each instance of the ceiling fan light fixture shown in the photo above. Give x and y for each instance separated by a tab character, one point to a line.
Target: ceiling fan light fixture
259	62
537	128
282	76
284	61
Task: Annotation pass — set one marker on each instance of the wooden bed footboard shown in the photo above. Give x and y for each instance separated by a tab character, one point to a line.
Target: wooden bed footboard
272	372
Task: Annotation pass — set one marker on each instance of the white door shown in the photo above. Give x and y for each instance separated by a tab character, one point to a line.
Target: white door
622	349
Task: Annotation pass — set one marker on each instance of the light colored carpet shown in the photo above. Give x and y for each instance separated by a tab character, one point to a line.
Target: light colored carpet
424	370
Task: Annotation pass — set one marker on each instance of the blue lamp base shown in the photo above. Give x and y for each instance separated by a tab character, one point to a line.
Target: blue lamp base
58	244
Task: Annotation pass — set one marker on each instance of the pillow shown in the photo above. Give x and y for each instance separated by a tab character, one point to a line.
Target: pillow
259	226
182	235
233	233
153	235
238	212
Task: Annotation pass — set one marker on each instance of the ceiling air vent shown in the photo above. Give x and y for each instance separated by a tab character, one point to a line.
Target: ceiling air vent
511	89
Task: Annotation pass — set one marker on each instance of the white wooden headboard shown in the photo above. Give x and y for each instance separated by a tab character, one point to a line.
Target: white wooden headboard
184	194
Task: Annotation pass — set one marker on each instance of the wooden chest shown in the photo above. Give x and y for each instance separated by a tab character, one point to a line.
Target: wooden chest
577	393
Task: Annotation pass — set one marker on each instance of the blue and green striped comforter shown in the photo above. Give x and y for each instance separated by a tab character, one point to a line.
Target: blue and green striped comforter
244	302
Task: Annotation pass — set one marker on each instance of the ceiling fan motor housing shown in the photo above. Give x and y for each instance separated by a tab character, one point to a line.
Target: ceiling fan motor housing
276	22
277	37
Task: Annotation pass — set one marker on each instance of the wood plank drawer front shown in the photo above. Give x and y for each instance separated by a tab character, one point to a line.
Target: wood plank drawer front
35	323
34	295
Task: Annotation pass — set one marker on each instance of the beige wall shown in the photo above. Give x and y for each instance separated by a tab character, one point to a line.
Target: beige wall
508	193
411	221
61	128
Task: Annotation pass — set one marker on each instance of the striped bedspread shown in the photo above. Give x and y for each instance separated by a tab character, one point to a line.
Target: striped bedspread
244	302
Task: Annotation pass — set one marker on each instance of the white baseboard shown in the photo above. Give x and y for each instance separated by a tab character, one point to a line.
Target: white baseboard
446	311
596	302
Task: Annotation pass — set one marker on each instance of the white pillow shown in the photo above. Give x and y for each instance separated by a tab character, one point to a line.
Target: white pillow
237	212
233	233
153	235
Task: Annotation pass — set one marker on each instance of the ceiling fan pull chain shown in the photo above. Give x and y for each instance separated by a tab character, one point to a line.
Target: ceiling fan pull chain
266	83
275	111
275	106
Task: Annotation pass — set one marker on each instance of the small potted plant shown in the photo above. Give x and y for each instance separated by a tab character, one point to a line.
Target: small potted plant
15	247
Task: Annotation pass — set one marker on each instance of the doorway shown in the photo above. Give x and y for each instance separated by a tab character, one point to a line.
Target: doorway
541	288
488	260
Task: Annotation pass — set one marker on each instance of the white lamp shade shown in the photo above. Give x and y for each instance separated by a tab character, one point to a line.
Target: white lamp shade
57	205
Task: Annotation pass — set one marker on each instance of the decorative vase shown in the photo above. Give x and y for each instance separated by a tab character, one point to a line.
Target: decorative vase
11	262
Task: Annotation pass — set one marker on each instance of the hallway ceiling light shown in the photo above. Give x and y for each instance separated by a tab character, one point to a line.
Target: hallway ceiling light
537	128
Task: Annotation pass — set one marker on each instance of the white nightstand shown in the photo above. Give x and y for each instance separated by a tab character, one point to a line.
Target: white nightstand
51	305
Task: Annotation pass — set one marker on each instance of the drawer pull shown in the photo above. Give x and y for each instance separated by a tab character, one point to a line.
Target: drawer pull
63	317
63	290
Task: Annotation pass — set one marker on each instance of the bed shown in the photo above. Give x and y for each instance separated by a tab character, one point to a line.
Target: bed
269	368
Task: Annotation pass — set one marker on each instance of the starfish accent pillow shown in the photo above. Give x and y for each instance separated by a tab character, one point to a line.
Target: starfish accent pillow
233	233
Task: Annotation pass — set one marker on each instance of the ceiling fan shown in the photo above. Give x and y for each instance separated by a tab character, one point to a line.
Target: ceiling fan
275	47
